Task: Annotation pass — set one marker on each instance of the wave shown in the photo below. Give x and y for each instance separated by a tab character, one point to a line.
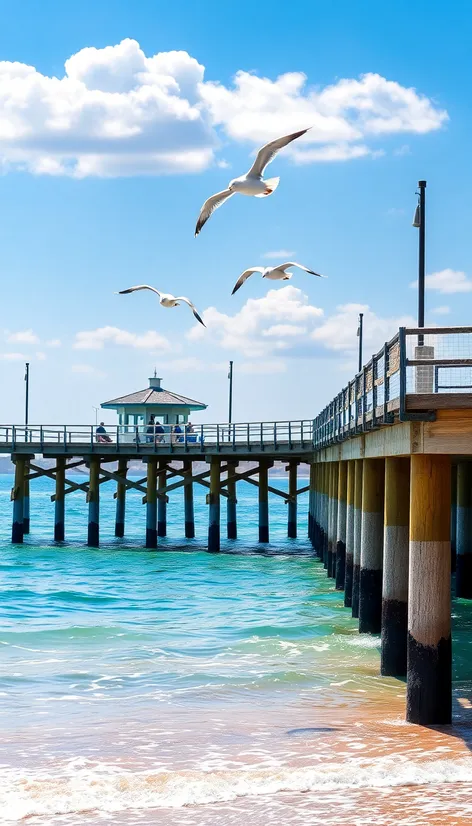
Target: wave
107	788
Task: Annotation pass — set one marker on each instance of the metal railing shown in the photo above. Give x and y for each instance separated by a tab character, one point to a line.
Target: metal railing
401	369
162	438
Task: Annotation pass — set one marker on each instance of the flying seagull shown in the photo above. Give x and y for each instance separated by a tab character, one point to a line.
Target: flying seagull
278	273
252	183
165	299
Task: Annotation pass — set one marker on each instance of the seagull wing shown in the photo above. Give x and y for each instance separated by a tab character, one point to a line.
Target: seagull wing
284	267
244	277
139	287
192	307
268	152
209	207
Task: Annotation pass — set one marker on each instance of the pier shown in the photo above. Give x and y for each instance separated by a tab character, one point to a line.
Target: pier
390	484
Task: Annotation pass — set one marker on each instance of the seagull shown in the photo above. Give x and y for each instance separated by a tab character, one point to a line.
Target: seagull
252	183
165	299
278	273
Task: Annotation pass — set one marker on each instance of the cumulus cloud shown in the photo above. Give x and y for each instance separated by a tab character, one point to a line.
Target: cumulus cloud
23	337
40	355
443	310
280	255
447	281
116	111
97	339
275	322
12	356
53	342
338	331
87	369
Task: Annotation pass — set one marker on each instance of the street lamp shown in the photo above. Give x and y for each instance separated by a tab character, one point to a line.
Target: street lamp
96	413
230	402
419	221
26	399
359	334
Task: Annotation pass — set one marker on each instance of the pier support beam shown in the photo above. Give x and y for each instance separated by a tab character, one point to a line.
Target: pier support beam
18	496
162	500
395	571
292	505
151	503
322	538
333	518
188	502
349	534
453	516
429	678
263	501
327	483
59	503
311	505
370	582
341	527
121	498
464	531
26	501
231	502
356	569
214	503
93	499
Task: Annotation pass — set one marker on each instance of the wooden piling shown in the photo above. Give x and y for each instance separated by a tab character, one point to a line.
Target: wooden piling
93	498
429	676
121	498
59	502
26	501
292	504
395	568
17	496
333	519
151	503
341	527
356	569
464	531
188	501
349	534
162	500
263	501
214	503
370	582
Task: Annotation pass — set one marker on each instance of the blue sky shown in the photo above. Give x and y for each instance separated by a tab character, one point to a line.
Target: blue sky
106	164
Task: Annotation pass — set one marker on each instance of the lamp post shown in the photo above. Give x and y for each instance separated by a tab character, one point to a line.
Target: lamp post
96	413
419	221
359	333
230	402
26	399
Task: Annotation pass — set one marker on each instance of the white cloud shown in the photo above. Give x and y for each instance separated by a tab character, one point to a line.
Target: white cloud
252	330
447	281
96	339
23	337
402	150
12	357
443	310
191	364
263	367
87	369
53	342
40	355
339	331
280	255
116	111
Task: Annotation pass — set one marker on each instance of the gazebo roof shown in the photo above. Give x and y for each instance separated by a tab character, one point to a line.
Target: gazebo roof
155	396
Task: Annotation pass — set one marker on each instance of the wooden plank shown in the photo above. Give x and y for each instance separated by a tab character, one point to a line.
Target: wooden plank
435	331
438	401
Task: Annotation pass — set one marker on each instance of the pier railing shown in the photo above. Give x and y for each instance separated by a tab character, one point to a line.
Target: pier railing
285	435
407	377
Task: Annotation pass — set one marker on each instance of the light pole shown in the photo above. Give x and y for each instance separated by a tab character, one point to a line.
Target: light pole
26	399
96	413
359	333
230	401
419	221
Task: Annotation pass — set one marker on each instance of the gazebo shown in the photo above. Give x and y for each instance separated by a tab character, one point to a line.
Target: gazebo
167	407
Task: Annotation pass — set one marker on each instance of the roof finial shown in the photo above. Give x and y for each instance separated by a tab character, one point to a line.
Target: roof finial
155	373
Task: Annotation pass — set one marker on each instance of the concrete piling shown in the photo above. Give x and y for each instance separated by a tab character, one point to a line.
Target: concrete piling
356	568
188	501
162	499
333	518
292	504
26	501
395	569
214	503
121	498
151	503
429	675
341	527
464	531
59	502
263	501
17	496
93	498
326	510
370	582
349	534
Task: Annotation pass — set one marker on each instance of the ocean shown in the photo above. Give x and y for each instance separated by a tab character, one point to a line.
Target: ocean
183	688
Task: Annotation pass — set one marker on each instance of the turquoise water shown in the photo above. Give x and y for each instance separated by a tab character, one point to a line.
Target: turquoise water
183	687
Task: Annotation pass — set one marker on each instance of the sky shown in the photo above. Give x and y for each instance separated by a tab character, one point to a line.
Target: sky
118	120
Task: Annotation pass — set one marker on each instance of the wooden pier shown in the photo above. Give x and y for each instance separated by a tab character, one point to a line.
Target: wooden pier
390	469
